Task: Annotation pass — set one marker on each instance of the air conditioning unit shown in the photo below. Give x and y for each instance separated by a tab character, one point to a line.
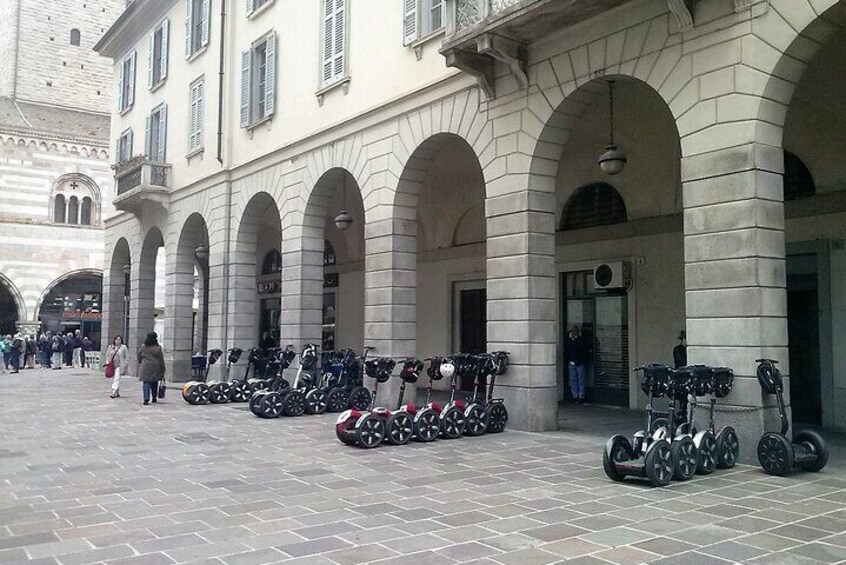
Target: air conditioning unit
612	276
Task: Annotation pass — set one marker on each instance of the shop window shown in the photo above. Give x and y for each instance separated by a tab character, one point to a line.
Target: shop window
272	262
798	182
596	204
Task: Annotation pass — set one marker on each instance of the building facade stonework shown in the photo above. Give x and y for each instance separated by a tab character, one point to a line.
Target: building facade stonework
55	180
467	162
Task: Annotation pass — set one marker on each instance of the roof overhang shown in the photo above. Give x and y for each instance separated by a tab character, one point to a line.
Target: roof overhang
132	24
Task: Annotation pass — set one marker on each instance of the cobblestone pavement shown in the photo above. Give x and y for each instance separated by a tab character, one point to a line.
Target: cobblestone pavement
86	479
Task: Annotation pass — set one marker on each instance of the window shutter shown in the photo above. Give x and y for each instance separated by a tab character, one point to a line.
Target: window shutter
245	87
249	7
148	138
192	128
162	134
409	22
340	40
131	90
163	61
199	126
205	23
127	150
151	47
328	28
120	85
270	78
189	12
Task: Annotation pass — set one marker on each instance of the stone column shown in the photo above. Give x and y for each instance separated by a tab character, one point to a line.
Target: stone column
735	275
242	306
301	314
521	299
218	306
178	315
112	308
390	290
142	292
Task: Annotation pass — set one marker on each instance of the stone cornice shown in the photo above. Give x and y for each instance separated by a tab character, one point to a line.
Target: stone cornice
133	23
87	148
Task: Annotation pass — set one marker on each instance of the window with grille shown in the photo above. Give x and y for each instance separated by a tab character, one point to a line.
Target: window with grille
798	181
597	204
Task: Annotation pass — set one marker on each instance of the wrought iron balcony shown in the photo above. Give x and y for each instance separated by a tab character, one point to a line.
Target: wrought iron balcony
141	183
481	32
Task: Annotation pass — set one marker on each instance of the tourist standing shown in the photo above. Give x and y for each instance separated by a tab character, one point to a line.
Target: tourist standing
680	351
151	367
118	354
57	347
77	350
577	353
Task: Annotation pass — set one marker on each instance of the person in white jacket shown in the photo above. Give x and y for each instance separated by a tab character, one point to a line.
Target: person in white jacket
118	353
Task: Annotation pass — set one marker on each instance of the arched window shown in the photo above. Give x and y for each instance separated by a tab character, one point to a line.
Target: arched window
798	181
596	204
85	212
74	37
73	210
59	209
272	262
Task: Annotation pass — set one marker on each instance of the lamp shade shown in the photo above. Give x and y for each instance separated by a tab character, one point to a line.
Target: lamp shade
127	269
202	252
612	161
343	220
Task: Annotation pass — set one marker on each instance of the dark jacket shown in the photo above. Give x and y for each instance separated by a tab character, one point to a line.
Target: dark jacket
151	363
679	356
576	350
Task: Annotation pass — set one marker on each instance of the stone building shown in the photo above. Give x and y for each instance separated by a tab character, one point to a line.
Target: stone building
463	147
55	181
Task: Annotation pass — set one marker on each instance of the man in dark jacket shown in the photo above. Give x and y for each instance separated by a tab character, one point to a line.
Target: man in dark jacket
680	351
68	349
577	354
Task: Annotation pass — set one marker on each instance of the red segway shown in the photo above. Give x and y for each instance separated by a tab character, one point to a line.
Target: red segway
427	424
366	429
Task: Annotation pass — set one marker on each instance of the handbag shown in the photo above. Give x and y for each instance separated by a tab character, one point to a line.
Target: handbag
109	370
162	389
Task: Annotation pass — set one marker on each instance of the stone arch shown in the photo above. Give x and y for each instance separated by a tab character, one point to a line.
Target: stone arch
80	185
20	305
63	278
143	282
116	293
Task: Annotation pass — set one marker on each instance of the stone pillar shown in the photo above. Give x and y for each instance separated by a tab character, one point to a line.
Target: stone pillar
218	306
142	293
178	315
242	305
390	290
112	308
521	299
735	276
301	314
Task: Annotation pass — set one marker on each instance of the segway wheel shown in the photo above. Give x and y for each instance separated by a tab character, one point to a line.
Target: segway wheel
239	392
706	446
315	401
658	463
497	418
728	448
685	458
399	428
189	393
775	453
452	423
359	398
255	402
218	393
345	427
659	425
426	426
270	405
617	450
477	420
202	393
293	403
337	400
370	431
814	443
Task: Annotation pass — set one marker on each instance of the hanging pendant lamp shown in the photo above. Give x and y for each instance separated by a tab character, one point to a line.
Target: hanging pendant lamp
343	221
612	161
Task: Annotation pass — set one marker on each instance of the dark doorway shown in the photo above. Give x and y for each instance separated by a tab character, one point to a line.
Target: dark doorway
8	311
803	334
473	337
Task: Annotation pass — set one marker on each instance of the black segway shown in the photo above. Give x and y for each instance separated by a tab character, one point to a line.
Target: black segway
399	424
238	389
268	402
452	416
196	392
296	400
427	423
366	429
645	456
685	454
475	413
777	454
497	414
728	445
704	440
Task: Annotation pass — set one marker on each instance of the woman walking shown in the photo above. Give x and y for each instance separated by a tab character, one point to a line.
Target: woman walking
119	356
151	367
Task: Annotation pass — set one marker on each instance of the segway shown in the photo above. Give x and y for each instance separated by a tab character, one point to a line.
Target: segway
238	390
475	414
399	426
427	423
268	402
685	455
705	441
303	396
496	413
452	416
345	390
777	454
645	456
366	429
197	392
728	445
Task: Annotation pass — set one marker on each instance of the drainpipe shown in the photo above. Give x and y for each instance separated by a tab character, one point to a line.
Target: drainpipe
220	84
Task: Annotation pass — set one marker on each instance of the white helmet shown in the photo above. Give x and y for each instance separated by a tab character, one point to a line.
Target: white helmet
447	369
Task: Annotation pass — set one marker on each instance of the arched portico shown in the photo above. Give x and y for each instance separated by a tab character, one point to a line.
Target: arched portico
11	306
116	293
142	312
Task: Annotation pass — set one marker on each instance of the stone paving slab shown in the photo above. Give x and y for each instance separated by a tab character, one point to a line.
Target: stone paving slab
89	480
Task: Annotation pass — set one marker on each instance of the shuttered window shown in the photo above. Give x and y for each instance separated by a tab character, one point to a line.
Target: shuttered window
253	5
126	83
195	130
124	146
156	135
258	81
334	41
421	18
157	53
196	25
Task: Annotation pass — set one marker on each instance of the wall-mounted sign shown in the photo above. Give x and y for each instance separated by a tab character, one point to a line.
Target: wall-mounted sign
269	287
330	280
77	315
